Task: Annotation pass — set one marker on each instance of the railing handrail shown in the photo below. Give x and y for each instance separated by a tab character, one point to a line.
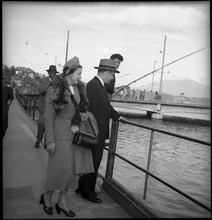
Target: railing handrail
167	132
26	102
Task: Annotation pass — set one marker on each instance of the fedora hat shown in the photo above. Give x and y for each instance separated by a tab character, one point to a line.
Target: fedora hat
71	64
52	68
107	64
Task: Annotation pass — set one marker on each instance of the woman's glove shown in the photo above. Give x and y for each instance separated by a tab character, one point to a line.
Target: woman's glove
75	128
50	148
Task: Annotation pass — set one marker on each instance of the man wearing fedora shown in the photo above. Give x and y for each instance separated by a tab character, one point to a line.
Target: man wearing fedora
99	105
42	88
110	87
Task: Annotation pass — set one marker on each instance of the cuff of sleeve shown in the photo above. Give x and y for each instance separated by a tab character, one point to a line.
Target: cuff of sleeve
119	118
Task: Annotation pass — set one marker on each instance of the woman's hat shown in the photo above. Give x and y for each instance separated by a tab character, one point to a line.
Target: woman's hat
71	64
107	64
52	68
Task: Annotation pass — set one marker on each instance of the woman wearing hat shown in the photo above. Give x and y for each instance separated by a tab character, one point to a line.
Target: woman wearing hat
66	161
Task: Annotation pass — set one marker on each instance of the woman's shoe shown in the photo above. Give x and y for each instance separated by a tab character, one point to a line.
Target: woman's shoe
67	213
48	210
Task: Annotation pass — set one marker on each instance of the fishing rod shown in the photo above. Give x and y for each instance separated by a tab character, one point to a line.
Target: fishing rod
166	65
123	75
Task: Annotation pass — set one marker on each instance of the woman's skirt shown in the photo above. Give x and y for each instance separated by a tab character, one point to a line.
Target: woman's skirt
65	166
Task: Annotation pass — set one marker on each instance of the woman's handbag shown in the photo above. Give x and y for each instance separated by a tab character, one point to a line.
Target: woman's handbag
87	136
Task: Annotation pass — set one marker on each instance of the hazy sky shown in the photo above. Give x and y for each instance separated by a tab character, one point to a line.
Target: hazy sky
35	36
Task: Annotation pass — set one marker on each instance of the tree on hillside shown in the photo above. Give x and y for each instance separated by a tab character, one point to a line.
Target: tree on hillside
37	78
12	71
6	70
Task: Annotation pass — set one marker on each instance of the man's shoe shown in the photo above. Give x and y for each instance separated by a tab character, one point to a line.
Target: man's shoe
94	199
91	193
86	193
37	145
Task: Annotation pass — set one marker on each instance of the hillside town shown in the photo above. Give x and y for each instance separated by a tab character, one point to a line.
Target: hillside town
29	80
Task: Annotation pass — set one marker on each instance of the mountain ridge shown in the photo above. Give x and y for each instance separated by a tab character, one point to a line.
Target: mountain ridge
189	87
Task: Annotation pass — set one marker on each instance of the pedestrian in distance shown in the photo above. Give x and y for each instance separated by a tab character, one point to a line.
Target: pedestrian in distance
100	107
133	94
7	98
141	95
144	92
42	88
66	161
110	87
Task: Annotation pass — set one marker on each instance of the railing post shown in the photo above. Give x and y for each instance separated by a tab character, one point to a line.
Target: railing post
33	116
27	104
112	148
22	101
30	100
148	163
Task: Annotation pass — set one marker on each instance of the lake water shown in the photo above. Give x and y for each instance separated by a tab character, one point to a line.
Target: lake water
181	163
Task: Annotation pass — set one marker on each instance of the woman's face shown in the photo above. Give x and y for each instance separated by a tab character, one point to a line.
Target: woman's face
76	76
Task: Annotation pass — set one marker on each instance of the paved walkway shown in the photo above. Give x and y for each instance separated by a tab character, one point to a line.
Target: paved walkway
24	169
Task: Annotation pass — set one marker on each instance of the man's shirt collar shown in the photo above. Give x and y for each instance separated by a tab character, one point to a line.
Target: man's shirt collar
100	80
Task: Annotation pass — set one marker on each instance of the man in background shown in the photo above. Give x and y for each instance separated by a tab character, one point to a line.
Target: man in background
42	88
7	97
110	88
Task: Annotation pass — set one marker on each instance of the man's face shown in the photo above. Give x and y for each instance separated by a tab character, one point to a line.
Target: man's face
117	61
110	75
52	74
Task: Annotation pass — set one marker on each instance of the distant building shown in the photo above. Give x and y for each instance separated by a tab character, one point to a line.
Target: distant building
31	75
27	81
17	80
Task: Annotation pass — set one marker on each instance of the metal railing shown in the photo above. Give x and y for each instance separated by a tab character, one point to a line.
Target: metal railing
28	103
112	154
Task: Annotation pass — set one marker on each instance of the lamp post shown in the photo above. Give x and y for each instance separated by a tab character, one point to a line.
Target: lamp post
153	74
161	79
67	47
158	115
